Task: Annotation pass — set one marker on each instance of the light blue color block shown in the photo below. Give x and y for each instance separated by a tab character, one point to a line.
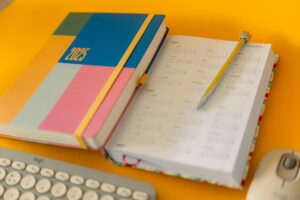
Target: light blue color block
46	96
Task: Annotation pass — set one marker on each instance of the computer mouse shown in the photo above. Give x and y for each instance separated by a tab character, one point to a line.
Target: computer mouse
277	177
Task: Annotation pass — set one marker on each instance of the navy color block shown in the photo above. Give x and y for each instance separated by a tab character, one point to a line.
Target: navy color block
108	35
145	41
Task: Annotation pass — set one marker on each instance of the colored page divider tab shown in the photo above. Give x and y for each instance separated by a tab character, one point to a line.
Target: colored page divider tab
17	96
101	96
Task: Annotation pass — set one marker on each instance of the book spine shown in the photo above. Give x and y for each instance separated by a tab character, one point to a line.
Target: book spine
144	77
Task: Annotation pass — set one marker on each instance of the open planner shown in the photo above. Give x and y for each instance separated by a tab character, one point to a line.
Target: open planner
87	89
162	129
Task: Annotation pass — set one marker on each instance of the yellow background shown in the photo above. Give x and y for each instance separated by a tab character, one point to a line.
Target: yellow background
27	24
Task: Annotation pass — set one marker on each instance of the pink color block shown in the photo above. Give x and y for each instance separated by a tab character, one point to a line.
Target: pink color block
107	105
77	99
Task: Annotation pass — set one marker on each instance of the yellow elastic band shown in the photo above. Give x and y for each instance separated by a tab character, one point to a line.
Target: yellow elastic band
102	94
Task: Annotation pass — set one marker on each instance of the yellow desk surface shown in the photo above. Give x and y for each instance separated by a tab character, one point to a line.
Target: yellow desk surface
26	24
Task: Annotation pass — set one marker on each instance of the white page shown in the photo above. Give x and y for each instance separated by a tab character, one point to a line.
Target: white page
163	120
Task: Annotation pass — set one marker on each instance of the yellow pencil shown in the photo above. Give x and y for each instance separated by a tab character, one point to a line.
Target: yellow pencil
245	36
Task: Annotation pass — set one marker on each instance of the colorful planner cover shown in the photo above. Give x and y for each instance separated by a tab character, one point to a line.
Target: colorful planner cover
73	83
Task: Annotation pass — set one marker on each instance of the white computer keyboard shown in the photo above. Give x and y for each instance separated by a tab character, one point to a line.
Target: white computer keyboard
29	177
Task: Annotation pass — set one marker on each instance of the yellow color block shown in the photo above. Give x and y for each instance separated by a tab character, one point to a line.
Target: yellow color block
16	96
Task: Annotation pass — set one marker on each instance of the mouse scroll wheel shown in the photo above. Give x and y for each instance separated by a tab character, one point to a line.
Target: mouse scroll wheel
289	163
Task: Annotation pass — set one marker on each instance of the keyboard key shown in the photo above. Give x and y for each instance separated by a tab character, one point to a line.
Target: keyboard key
2	173
13	178
140	195
47	172
124	192
43	198
18	165
77	180
93	184
27	196
90	195
43	186
5	162
62	176
1	190
74	193
33	169
107	197
109	188
28	182
11	194
59	190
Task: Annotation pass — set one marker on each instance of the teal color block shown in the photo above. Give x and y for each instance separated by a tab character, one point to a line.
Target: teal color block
73	24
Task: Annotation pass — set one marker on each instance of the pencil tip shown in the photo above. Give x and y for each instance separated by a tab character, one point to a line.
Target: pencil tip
201	103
